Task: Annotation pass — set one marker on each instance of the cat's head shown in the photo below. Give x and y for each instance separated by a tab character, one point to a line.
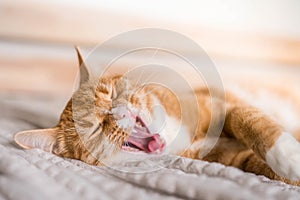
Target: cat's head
104	117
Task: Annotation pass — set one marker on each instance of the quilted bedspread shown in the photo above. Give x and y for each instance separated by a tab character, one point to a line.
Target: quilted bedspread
35	174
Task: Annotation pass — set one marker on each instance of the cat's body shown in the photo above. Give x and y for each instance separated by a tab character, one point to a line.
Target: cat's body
110	118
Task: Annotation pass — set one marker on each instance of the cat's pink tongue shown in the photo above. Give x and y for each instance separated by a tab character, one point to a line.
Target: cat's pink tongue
147	142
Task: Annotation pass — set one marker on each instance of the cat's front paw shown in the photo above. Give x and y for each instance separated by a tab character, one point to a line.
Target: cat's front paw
284	157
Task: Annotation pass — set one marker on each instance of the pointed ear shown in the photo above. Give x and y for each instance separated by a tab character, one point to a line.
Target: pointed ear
42	139
84	72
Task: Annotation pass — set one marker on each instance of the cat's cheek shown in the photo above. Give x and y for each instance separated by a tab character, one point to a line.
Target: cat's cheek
284	157
172	130
176	135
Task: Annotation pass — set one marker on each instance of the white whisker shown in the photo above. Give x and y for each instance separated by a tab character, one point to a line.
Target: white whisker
147	93
151	76
137	82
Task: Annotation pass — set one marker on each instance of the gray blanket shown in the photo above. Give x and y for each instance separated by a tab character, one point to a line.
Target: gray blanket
35	174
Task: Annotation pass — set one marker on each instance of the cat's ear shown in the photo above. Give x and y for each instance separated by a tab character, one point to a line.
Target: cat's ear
41	139
84	72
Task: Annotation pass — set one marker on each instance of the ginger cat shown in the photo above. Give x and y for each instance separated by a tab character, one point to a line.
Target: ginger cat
113	124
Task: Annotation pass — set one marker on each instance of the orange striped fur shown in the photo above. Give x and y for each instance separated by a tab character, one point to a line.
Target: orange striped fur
247	138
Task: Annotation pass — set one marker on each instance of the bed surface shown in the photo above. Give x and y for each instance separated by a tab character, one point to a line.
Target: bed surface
35	174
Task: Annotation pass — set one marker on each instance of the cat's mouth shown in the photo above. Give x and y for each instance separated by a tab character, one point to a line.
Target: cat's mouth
141	139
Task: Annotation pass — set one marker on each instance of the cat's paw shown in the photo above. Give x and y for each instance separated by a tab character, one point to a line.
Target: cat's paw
284	157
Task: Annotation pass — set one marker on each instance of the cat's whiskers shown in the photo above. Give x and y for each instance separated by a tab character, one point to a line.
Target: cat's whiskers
148	92
139	89
151	76
142	86
137	82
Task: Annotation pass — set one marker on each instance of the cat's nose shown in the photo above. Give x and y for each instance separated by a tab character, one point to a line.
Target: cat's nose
121	112
124	117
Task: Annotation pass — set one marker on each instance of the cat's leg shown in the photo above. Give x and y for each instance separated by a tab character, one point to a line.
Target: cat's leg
296	134
232	153
266	138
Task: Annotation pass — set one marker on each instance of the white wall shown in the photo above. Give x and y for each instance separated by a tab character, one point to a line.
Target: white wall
277	17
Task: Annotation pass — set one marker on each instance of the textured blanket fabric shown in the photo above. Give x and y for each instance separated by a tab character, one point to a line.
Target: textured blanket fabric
34	174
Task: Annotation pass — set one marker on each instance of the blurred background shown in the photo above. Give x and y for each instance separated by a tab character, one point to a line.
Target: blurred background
250	40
